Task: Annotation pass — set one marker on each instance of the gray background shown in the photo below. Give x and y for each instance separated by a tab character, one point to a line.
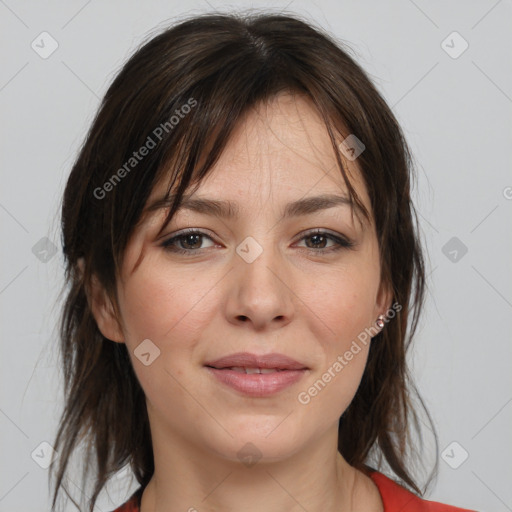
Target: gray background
456	115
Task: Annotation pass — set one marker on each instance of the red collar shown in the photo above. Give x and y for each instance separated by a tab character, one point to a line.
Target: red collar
398	499
394	497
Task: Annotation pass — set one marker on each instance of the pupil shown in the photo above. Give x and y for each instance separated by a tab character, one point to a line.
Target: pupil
316	237
190	237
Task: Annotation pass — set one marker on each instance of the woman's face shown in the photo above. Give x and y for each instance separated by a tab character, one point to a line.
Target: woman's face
257	282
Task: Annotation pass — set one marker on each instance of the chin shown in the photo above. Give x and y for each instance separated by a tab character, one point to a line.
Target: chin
261	442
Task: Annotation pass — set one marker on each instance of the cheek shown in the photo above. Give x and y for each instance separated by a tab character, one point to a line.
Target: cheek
344	352
164	309
158	305
154	298
343	305
172	310
343	302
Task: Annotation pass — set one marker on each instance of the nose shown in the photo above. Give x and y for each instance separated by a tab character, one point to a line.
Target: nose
260	288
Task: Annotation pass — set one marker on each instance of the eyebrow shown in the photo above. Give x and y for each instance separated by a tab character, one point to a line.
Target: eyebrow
229	209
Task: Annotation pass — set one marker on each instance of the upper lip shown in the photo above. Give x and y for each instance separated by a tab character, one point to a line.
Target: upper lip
248	360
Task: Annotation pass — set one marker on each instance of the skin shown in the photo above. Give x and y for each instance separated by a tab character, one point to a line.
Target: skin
305	304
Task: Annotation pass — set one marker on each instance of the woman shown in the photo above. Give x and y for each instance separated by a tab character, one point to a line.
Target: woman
244	277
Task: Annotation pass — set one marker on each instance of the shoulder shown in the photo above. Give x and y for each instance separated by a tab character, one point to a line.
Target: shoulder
396	497
133	503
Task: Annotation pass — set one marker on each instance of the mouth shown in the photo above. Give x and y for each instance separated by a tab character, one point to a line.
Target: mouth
253	363
257	376
248	371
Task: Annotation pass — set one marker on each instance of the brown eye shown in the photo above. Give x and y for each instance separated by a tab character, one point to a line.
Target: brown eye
189	242
319	239
186	243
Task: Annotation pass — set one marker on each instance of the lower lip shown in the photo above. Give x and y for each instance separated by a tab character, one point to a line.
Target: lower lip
258	384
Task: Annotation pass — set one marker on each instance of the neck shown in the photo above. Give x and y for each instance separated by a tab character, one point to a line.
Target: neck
315	479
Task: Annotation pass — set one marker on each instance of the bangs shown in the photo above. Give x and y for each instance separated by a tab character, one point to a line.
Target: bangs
185	169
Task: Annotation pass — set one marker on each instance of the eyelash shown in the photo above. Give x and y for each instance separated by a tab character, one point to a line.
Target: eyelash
342	243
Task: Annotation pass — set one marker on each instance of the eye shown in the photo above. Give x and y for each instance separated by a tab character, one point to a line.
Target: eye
189	242
319	237
190	238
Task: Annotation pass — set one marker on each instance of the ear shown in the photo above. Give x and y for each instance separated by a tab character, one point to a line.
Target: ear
103	310
384	299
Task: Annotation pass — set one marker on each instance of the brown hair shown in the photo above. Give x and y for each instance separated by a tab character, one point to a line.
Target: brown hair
226	64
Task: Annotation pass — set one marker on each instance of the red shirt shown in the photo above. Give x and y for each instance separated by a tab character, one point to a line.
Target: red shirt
394	497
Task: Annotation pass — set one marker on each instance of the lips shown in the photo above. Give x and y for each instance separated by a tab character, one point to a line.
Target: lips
253	363
242	369
257	376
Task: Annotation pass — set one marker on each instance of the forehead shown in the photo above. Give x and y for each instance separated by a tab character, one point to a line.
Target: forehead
279	152
282	139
